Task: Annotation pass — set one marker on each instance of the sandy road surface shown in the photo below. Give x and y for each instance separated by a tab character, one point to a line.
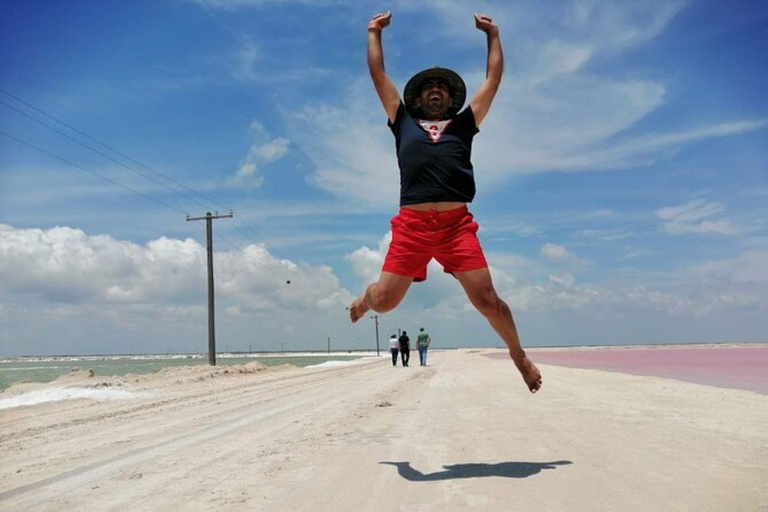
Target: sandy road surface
461	434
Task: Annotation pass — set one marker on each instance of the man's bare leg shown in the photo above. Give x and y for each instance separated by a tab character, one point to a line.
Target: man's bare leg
381	296
479	288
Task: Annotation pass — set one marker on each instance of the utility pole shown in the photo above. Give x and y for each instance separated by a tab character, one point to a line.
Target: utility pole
329	344
209	245
376	318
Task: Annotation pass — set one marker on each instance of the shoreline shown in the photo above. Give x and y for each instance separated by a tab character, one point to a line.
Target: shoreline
48	370
372	352
196	355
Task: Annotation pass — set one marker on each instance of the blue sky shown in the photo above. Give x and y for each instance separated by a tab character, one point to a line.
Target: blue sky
622	173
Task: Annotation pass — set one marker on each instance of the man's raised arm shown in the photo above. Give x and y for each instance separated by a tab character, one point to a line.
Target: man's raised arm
386	90
481	102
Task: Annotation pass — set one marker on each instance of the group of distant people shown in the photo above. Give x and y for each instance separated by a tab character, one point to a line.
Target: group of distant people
402	345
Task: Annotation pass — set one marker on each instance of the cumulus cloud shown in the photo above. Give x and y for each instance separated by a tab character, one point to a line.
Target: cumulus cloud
367	262
68	266
259	281
62	264
67	279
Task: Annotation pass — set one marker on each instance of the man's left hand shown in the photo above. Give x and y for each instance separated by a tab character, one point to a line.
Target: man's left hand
485	23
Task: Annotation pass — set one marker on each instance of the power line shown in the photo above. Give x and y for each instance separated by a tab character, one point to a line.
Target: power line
94	173
234	223
108	157
107	146
224	239
80	132
263	265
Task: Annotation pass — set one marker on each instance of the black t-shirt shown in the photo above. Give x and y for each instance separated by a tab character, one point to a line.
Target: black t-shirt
434	157
405	342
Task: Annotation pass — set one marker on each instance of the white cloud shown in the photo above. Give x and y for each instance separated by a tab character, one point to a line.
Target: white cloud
351	147
367	262
67	266
552	113
264	150
245	59
617	24
720	227
555	252
690	211
565	280
695	217
258	280
273	150
748	268
557	58
248	63
70	280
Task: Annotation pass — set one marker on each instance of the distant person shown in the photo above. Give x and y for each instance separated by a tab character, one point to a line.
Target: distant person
405	348
433	141
394	348
422	343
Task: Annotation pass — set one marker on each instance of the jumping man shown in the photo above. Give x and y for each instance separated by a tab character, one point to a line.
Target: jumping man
434	144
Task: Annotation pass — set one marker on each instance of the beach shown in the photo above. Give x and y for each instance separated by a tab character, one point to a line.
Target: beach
460	434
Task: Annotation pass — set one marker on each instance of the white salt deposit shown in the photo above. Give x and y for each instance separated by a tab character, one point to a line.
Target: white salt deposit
57	394
328	364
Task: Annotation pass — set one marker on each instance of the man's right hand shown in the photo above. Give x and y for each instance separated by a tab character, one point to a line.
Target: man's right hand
380	20
390	98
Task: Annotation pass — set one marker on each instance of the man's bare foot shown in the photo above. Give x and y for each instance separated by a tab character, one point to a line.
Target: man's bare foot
531	374
357	309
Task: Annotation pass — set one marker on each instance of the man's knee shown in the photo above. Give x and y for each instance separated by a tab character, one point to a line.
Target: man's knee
383	299
489	304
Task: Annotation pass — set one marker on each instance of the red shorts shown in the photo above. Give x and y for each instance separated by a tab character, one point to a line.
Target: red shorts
450	237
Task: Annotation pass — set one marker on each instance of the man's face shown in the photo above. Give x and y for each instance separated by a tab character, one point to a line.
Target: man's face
435	98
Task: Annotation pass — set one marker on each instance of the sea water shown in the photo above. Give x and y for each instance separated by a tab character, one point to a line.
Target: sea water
46	369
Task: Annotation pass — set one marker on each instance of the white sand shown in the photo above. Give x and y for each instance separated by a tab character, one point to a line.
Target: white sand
461	434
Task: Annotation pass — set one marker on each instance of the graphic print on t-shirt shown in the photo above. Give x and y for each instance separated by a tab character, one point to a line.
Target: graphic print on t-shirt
435	129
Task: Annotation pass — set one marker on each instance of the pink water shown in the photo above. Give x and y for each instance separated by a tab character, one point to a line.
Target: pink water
727	367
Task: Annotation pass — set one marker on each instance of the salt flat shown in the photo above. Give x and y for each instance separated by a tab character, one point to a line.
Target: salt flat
461	434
